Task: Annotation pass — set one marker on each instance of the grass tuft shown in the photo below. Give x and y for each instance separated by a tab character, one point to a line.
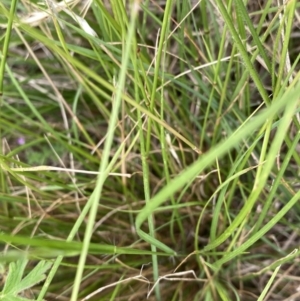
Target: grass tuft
150	150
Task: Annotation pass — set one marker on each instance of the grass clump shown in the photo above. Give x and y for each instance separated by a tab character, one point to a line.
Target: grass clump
148	152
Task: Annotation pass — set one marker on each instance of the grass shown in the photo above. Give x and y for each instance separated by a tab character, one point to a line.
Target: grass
149	150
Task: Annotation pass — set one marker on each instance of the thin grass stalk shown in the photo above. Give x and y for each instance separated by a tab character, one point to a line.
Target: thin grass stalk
145	167
165	155
269	284
6	43
239	44
264	14
285	32
242	10
146	181
162	40
106	152
223	85
233	176
276	183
